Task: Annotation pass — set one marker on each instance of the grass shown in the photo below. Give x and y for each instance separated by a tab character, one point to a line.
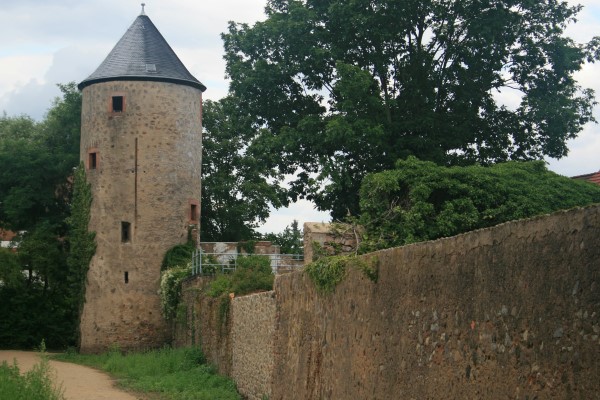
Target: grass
175	374
35	384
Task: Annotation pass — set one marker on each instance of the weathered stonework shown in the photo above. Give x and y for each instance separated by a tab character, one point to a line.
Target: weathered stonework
252	331
510	312
147	175
325	239
236	334
207	323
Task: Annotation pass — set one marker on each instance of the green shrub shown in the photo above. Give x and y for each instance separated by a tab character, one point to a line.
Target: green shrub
246	281
35	384
209	264
253	273
221	285
170	289
420	200
327	272
178	255
257	264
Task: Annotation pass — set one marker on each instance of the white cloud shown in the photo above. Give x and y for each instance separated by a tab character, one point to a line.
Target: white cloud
302	211
18	70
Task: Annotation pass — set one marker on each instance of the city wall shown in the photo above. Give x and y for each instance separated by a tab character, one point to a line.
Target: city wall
506	312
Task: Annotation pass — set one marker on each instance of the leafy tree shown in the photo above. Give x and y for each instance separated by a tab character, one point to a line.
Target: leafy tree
61	128
420	200
34	301
341	88
290	240
17	127
236	186
43	255
35	161
10	269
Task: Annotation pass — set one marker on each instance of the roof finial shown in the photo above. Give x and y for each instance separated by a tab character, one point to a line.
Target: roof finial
143	5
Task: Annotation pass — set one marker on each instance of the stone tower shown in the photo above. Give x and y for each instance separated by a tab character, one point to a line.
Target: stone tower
141	143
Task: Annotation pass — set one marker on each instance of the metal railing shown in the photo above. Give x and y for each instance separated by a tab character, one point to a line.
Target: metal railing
209	263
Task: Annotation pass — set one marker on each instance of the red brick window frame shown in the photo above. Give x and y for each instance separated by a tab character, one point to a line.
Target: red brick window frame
117	103
193	211
93	159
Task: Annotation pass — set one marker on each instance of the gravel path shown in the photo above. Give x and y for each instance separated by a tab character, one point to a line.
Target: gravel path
78	382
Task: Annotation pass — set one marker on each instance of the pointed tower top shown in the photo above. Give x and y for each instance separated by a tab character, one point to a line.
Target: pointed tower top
142	54
143	5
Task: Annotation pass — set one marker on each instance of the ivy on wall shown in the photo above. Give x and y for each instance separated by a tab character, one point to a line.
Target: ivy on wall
179	255
327	272
170	288
82	241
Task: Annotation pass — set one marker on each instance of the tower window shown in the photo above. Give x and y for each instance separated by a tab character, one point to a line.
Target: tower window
125	232
117	104
92	160
193	212
126	276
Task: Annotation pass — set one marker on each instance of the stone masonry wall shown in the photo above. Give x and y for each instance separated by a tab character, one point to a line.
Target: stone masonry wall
507	312
207	323
252	327
321	239
235	334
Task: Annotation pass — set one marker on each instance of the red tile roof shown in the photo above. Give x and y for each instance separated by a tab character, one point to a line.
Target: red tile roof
6	235
593	177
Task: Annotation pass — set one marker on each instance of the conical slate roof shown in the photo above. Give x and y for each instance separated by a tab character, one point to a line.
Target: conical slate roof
142	54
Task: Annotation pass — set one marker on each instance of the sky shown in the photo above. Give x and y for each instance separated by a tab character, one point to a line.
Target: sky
45	42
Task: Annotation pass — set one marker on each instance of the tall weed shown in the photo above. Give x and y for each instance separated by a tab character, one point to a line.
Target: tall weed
35	384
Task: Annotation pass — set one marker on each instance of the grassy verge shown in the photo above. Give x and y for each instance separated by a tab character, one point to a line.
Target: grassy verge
33	385
177	374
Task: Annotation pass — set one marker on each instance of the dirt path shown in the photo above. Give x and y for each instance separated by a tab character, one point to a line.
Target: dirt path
78	382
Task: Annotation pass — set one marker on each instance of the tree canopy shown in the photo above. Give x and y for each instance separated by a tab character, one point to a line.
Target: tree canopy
35	161
419	200
237	187
337	89
39	297
290	241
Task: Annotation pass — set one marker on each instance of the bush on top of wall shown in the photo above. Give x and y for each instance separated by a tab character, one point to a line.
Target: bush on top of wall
419	200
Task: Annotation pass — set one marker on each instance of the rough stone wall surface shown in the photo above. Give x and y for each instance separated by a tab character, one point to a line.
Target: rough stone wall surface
508	312
208	324
147	173
332	239
235	334
184	331
252	329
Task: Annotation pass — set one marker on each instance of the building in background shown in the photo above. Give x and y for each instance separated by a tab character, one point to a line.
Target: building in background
593	177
